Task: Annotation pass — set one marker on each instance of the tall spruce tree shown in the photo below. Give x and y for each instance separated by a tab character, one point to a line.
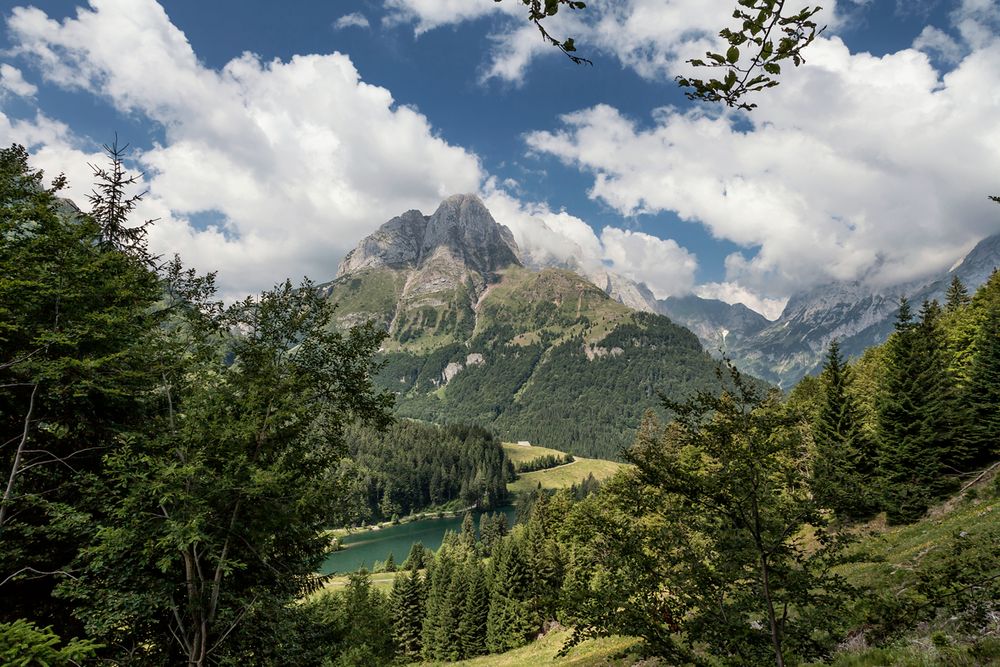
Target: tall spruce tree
408	613
918	417
510	621
475	610
845	459
468	535
957	295
77	322
440	627
982	393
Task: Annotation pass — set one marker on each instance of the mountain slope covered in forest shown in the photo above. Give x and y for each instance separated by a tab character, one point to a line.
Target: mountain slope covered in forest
473	336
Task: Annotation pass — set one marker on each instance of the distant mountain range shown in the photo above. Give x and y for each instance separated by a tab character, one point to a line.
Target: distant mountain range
571	358
857	314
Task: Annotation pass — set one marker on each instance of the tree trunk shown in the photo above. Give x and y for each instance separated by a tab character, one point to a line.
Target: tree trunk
775	633
17	457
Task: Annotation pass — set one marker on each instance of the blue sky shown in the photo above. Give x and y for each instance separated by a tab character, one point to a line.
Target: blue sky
263	166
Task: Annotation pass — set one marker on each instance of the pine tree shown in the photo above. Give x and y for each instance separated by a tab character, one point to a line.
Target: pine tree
845	459
918	417
468	535
982	394
904	465
510	621
957	296
407	613
486	534
440	626
417	558
475	611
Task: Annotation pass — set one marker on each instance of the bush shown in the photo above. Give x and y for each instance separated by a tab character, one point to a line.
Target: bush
24	644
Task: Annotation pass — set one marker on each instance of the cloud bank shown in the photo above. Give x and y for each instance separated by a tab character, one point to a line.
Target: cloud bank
267	169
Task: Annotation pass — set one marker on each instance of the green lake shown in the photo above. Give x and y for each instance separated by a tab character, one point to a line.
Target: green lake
364	547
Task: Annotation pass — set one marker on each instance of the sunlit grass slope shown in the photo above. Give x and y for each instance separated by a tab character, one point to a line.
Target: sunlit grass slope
560	477
606	652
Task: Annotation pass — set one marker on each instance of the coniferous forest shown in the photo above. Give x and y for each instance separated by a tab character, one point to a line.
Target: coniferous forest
413	466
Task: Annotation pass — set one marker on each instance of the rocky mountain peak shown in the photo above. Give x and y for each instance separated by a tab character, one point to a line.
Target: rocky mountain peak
461	229
463	225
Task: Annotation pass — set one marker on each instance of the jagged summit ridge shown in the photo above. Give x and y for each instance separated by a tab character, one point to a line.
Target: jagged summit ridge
461	230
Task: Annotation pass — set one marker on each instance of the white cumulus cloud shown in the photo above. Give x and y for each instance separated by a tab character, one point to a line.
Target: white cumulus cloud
11	80
430	14
733	293
857	166
292	161
548	237
652	37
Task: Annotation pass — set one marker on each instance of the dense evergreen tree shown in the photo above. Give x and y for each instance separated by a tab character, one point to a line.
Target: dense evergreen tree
492	529
475	610
511	620
906	463
350	627
844	462
414	466
440	628
172	470
467	536
78	321
957	295
921	422
700	547
982	393
545	557
408	611
418	558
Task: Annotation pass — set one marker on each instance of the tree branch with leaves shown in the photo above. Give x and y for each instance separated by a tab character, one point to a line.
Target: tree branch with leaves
768	35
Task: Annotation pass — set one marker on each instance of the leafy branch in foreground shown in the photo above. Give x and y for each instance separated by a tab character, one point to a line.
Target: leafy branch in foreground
538	11
770	36
766	32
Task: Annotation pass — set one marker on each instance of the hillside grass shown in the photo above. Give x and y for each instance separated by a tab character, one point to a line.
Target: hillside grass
521	454
604	652
897	559
381	580
564	476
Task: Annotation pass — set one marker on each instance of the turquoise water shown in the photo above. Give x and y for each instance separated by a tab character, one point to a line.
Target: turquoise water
364	547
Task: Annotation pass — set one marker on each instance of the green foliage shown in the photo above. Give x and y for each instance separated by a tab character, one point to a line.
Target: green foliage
408	603
412	466
472	625
918	417
417	559
982	392
844	463
511	619
766	37
492	529
543	463
766	31
348	628
226	497
23	644
548	351
175	458
76	323
703	544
